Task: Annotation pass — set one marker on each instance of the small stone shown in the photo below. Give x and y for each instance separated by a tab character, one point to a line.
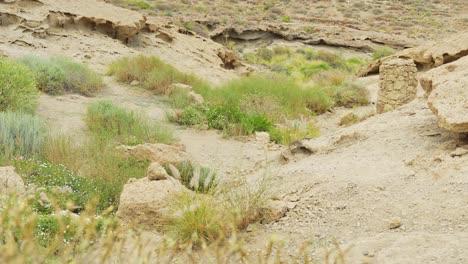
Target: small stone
182	87
156	172
394	223
459	152
197	98
135	83
262	136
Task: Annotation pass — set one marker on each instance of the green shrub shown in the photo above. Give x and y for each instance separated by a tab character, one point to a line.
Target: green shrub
351	94
349	119
140	4
153	74
382	52
57	75
18	90
319	101
106	119
21	135
290	133
314	67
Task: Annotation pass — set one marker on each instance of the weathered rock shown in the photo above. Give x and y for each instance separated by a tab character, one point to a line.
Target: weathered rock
183	87
10	181
156	172
427	56
262	136
398	84
145	203
459	152
275	210
431	79
196	98
394	223
135	83
230	59
161	153
449	102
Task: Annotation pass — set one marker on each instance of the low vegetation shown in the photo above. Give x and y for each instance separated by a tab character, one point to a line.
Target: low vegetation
382	52
105	119
18	90
59	75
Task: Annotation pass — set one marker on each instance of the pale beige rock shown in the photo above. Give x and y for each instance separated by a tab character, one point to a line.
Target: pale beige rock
427	56
196	98
398	84
156	172
145	203
161	153
183	87
449	102
431	79
262	136
10	181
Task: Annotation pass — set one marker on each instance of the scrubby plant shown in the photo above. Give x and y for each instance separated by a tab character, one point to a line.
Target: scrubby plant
349	119
21	135
104	118
382	52
197	178
57	75
292	132
351	94
18	90
153	74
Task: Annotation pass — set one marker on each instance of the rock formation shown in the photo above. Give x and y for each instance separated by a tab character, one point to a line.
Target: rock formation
145	202
427	56
10	181
398	84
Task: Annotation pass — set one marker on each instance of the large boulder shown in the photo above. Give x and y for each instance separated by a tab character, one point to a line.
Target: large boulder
427	56
10	181
161	153
431	79
146	203
449	102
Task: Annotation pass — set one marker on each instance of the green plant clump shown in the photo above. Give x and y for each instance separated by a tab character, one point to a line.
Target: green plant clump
18	90
58	75
21	135
382	52
106	119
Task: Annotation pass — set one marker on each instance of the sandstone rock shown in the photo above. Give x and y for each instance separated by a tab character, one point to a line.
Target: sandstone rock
10	181
459	152
183	87
230	59
398	84
262	136
273	211
394	223
145	202
156	172
431	79
161	153
197	98
449	102
427	56
135	83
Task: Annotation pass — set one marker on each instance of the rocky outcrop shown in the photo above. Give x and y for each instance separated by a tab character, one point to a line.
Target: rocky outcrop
10	181
145	203
160	153
398	84
449	102
431	79
427	56
156	172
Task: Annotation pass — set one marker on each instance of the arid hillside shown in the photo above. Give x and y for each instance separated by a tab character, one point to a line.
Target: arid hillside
233	131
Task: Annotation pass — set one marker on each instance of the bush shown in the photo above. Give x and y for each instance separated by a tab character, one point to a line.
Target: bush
20	135
128	127
351	94
382	52
187	172
18	90
290	133
153	74
349	119
57	75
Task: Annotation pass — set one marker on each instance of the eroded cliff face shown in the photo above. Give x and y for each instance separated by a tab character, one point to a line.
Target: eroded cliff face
97	32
